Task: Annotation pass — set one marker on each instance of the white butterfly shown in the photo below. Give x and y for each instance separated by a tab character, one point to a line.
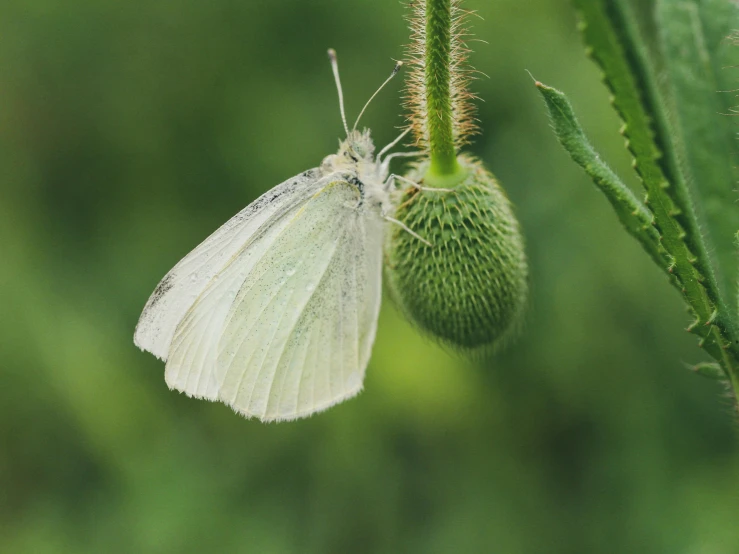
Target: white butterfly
275	313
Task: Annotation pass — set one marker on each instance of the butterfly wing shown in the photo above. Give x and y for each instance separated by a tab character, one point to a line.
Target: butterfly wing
297	336
180	288
194	347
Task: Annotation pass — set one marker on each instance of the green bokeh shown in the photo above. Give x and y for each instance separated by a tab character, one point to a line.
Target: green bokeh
130	130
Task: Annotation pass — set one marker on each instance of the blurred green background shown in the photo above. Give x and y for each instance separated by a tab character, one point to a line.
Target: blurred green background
129	130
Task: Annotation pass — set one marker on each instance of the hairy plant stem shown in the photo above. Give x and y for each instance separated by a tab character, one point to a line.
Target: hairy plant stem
444	167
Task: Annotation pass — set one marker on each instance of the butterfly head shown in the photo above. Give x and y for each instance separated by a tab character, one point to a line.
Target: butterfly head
356	154
357	147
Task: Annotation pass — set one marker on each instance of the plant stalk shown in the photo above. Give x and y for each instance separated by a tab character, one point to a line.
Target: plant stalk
438	59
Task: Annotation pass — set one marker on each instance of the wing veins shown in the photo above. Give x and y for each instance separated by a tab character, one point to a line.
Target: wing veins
246	335
302	371
297	320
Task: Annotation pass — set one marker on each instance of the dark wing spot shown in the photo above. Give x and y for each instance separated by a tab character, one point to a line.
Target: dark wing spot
162	289
353	180
274	194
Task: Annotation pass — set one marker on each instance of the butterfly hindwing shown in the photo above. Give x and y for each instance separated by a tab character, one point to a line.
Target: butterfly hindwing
298	334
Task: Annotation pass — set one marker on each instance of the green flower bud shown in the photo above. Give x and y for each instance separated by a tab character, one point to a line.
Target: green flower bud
468	288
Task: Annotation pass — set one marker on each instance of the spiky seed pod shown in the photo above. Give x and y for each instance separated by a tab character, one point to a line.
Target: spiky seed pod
469	286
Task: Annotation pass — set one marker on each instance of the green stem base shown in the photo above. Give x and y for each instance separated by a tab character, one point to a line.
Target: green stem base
449	176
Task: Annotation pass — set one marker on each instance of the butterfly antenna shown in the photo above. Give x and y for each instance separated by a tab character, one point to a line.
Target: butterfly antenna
397	67
335	69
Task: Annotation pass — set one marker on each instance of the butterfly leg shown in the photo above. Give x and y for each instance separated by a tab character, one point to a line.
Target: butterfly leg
385	165
392	178
400	137
405	228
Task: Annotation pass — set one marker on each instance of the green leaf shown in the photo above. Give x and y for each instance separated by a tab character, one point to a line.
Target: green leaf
612	35
634	216
610	30
615	41
698	55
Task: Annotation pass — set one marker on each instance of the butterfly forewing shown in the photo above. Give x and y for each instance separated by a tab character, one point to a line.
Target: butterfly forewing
180	288
194	349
